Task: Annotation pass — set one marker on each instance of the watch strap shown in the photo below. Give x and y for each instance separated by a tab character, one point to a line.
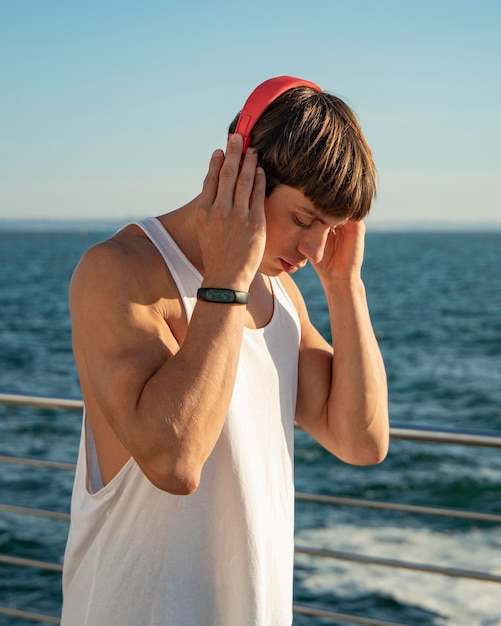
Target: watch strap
222	296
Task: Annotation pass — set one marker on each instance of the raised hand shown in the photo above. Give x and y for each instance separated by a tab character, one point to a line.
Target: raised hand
343	252
230	218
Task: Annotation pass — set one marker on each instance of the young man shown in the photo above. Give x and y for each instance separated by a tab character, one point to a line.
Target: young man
195	355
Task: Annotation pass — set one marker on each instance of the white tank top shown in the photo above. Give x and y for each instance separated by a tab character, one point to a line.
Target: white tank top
222	556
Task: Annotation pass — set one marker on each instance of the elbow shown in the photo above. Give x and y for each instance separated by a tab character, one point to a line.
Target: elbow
179	485
372	453
373	446
178	479
365	449
371	457
363	458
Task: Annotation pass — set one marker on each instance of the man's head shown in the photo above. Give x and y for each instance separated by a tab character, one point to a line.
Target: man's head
312	141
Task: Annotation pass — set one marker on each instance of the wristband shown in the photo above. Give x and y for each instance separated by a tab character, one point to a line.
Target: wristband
222	296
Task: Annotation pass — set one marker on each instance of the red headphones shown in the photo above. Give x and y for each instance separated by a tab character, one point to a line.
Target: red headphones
262	96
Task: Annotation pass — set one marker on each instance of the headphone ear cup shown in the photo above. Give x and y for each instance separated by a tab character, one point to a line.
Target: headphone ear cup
262	96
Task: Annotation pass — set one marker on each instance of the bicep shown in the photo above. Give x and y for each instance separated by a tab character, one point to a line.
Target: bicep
314	369
314	381
119	338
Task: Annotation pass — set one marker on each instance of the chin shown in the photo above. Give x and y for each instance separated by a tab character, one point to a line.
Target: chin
266	270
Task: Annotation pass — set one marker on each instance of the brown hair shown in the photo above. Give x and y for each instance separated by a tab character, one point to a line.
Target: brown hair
313	142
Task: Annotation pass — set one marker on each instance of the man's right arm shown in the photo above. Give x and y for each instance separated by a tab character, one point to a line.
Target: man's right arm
166	401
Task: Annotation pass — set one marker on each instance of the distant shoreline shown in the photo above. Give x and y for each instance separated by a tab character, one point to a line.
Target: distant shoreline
51	225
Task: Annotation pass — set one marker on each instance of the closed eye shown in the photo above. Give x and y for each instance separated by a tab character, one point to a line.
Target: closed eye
301	224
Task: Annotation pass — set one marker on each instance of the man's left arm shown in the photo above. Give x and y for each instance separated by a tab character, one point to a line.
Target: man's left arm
342	391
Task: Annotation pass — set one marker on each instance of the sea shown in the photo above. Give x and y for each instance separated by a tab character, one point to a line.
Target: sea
435	302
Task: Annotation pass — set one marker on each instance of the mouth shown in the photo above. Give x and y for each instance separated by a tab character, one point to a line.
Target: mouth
290	268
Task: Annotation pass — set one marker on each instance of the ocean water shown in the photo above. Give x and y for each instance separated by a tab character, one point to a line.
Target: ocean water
435	300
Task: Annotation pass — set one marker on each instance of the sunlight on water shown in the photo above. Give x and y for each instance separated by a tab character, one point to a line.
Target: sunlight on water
458	602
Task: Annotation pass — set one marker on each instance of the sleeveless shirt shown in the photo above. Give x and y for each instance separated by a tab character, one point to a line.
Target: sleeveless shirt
222	556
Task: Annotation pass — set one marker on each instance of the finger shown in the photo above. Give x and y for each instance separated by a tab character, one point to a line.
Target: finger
246	179
230	169
256	204
211	181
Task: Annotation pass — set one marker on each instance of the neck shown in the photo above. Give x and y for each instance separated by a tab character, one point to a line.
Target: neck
181	225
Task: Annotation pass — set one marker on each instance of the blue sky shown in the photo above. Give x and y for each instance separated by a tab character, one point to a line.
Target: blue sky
112	109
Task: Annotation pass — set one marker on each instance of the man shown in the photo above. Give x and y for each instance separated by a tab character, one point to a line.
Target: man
195	355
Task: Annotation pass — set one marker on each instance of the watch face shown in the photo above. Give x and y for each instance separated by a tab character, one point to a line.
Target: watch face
220	295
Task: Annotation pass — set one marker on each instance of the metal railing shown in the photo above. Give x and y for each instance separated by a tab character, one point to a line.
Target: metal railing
459	437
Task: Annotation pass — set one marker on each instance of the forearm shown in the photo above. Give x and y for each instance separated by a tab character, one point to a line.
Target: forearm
357	406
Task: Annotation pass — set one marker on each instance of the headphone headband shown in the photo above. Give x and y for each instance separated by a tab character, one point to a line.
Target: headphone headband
262	96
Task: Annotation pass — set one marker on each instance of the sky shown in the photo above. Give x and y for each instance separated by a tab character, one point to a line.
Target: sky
111	110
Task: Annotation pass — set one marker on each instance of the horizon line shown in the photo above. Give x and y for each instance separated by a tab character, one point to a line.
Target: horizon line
377	224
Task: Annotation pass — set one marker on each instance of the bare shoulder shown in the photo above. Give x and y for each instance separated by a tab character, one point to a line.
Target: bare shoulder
124	266
121	259
123	279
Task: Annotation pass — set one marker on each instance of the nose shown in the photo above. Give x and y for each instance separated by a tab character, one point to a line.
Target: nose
312	243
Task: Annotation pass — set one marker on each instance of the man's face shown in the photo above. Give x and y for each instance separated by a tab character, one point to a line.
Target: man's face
296	232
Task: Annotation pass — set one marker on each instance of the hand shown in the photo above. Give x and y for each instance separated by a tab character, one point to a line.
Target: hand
230	218
343	252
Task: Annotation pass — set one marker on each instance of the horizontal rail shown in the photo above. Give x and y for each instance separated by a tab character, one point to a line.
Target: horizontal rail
401	508
490	439
43	402
23	510
21	562
303	610
354	619
420	567
16	460
29	615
